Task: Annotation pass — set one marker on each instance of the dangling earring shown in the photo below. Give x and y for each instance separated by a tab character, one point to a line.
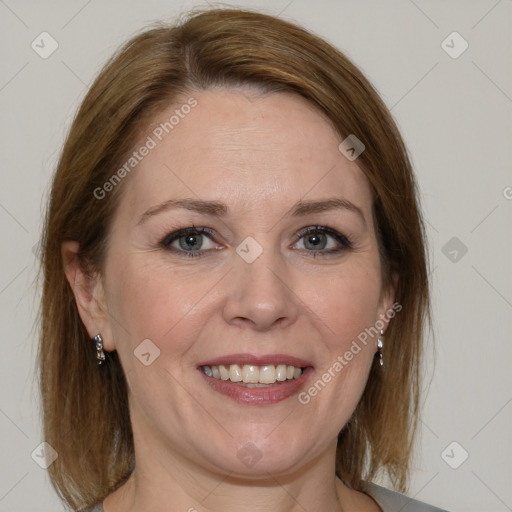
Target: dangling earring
380	345
100	355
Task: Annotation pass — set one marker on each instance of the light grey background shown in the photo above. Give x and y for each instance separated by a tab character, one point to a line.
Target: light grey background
455	115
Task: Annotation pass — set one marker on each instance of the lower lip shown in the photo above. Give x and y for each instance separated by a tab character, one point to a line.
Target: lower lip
258	396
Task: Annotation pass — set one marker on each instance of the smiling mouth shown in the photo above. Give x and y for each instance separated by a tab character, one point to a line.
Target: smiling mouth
253	376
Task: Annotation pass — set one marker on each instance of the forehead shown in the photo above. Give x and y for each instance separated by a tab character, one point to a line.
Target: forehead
244	148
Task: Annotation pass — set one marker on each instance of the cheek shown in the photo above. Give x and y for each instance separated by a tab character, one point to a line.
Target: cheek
150	299
349	309
149	302
349	302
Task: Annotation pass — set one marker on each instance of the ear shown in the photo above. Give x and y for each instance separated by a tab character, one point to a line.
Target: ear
89	295
387	307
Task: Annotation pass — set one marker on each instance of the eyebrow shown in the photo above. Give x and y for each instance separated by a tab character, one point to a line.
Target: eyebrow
219	209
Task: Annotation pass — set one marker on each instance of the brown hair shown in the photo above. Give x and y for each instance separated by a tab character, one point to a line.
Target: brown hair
85	407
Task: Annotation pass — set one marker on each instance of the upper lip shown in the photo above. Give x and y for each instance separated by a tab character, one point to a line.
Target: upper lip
263	360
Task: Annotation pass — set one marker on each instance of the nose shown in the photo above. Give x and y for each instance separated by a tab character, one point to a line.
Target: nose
260	294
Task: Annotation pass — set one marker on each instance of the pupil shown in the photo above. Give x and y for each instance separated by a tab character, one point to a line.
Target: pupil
316	240
191	242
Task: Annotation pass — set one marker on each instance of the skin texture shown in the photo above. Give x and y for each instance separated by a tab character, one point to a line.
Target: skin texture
259	154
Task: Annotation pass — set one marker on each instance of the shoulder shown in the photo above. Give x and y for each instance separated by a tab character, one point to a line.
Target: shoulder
391	501
95	508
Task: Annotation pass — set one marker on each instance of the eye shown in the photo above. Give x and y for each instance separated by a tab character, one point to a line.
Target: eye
196	242
191	241
322	241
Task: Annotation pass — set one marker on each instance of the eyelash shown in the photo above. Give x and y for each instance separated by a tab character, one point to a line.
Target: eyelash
343	240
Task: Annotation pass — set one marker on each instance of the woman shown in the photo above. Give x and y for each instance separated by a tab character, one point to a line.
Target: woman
234	236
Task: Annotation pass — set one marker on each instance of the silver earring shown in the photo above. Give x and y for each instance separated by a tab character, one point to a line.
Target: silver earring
100	355
380	346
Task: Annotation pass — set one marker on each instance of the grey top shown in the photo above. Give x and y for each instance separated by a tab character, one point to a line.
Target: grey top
388	501
391	501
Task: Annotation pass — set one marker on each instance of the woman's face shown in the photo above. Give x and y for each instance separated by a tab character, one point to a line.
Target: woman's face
274	277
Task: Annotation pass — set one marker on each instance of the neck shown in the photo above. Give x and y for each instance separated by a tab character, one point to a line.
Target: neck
166	481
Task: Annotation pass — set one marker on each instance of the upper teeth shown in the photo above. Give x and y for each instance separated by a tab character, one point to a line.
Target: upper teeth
251	374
